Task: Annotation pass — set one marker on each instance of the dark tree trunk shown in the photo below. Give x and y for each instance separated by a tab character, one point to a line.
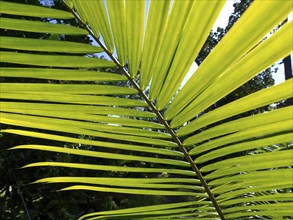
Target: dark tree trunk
288	67
288	75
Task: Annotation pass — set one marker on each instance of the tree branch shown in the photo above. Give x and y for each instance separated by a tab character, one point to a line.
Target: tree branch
20	193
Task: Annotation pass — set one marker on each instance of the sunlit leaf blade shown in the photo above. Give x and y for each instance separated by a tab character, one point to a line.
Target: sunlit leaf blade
242	37
142	209
98	110
245	69
131	191
104	23
164	214
241	124
266	96
135	30
56	124
258	131
39	27
252	179
106	119
244	146
60	74
273	207
274	212
156	23
252	176
30	44
73	99
266	198
109	168
113	156
172	34
12	8
285	183
249	163
117	16
96	19
153	210
95	134
66	88
151	183
189	46
113	180
85	17
54	60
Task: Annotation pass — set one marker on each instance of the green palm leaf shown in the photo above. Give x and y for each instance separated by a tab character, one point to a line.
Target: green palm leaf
60	91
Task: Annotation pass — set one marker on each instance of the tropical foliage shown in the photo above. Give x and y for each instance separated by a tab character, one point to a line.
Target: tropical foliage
161	139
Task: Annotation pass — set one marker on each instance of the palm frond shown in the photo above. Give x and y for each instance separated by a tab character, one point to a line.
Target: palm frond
75	95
